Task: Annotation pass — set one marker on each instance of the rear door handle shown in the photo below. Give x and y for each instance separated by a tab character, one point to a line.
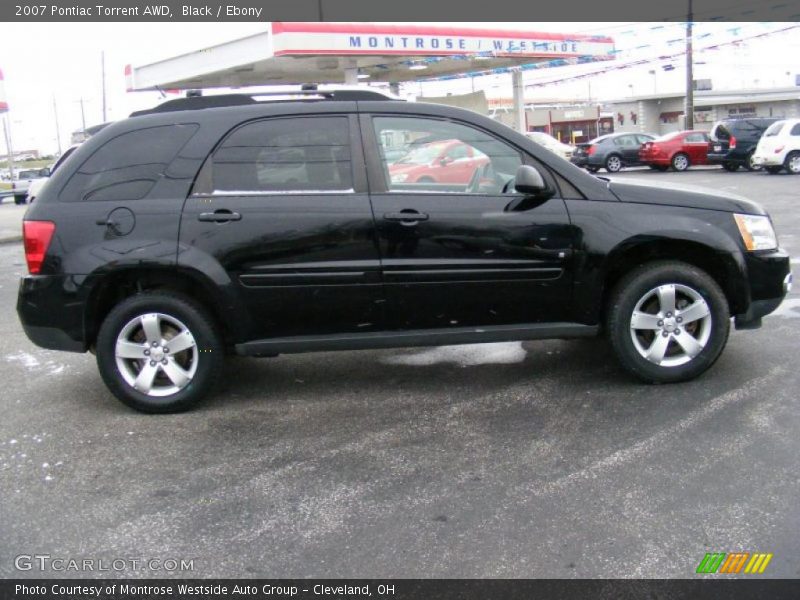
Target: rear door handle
219	216
405	216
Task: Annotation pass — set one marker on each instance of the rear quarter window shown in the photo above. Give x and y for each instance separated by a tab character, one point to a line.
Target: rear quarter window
127	166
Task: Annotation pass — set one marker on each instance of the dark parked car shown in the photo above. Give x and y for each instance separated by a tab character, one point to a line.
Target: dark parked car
185	233
732	142
611	152
679	150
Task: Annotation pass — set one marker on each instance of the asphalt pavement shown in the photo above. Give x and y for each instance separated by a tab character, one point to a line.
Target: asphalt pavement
508	460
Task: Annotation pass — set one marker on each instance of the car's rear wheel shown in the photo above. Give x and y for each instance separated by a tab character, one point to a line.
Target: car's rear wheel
159	352
680	162
613	163
774	170
19	198
792	163
667	321
730	166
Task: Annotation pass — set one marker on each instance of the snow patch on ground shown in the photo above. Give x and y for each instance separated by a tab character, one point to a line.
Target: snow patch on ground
466	356
26	360
790	307
30	362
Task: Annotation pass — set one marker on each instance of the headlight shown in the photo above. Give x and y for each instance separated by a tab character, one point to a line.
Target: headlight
757	232
399	177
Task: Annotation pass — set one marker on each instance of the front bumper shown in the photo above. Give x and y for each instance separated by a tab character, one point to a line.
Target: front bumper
51	312
770	278
768	160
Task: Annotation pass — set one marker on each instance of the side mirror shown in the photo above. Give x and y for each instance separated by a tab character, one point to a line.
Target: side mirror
530	182
445	160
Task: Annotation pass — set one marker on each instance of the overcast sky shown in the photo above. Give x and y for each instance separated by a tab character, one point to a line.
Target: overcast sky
43	61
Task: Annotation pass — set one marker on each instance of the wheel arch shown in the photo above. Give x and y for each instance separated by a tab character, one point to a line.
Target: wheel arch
110	288
721	266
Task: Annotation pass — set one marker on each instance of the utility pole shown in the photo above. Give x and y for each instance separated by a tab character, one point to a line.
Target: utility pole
58	132
103	73
688	110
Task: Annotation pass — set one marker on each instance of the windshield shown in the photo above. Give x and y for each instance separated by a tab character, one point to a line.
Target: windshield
774	129
422	155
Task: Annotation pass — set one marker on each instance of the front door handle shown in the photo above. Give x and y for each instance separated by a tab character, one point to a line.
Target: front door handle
219	216
406	216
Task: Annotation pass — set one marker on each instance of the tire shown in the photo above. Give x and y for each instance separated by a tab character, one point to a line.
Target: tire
613	163
792	163
19	199
646	291
749	165
197	368
680	162
730	166
774	170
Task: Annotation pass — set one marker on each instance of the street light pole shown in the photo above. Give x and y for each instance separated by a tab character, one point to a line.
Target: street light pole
689	108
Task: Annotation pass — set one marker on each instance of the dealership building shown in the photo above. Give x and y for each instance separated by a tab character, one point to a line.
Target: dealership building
664	113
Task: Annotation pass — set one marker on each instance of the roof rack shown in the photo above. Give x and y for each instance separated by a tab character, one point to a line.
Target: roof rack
195	102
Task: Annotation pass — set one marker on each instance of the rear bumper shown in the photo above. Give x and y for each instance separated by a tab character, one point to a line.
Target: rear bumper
586	161
729	156
51	312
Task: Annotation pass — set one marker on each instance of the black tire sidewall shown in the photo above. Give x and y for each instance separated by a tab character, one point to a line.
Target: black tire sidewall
628	292
788	159
210	351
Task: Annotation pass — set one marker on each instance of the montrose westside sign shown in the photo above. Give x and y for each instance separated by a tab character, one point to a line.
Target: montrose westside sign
350	38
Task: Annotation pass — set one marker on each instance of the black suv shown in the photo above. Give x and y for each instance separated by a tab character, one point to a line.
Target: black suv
732	142
234	226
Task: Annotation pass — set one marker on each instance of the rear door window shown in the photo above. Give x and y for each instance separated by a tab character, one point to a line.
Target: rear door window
283	155
774	129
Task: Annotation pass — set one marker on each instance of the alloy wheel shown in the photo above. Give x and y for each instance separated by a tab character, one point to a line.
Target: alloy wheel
670	325
156	354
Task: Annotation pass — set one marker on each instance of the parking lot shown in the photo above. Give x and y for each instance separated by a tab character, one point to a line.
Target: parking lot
535	459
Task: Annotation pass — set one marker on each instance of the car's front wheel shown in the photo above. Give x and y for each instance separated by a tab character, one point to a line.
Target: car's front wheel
159	352
667	321
751	163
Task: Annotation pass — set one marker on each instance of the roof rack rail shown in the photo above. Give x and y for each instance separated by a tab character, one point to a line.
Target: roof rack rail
201	102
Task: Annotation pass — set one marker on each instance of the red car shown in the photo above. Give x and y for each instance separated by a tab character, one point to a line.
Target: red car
447	161
679	150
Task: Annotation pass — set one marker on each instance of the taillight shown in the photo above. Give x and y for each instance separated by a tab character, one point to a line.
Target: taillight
36	236
590	150
732	142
